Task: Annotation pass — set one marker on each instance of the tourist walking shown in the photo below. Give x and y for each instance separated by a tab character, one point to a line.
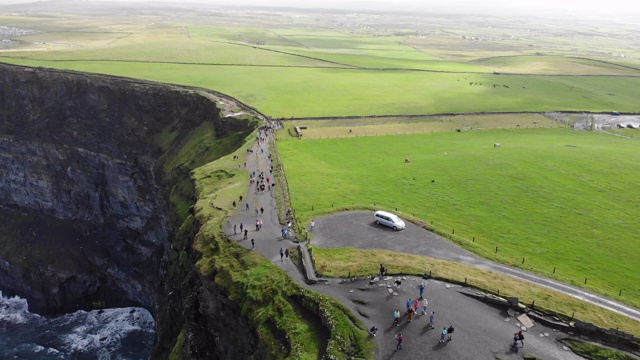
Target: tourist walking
253	244
432	318
373	330
450	333
408	305
443	334
422	290
313	224
246	232
425	303
399	339
396	317
521	338
241	226
286	253
416	305
234	229
410	313
281	253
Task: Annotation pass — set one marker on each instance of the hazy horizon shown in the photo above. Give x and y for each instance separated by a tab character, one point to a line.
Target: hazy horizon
568	8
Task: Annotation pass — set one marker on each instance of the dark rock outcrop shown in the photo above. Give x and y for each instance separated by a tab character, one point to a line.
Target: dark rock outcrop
94	180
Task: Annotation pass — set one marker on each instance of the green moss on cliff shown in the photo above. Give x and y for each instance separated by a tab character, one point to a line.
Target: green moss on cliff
185	150
178	349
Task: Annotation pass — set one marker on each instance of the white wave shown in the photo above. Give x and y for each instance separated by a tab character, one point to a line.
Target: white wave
105	330
14	311
100	334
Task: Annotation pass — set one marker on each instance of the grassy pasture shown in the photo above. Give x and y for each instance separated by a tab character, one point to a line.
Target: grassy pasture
557	197
153	50
307	92
301	81
386	59
318	129
632	133
554	65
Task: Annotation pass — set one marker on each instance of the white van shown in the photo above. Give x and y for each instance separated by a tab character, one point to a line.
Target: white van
388	219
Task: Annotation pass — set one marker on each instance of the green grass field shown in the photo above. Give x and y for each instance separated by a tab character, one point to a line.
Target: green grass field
291	66
303	92
334	128
559	198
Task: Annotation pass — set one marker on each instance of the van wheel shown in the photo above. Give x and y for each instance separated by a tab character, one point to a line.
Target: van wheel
377	222
395	228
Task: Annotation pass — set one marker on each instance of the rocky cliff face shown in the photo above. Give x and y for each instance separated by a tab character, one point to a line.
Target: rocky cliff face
86	178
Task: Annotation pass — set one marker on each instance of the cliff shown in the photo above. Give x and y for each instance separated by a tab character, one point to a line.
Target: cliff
94	183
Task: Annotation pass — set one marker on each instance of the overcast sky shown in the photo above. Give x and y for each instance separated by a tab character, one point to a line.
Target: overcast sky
567	7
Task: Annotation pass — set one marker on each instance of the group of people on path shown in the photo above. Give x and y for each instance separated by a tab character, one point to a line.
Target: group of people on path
412	308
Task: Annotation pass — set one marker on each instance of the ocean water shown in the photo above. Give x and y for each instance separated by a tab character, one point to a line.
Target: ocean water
109	334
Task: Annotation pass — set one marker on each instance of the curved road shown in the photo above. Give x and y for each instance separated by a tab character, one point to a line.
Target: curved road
358	230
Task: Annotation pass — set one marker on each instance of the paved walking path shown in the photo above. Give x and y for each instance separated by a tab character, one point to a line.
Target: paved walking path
268	240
